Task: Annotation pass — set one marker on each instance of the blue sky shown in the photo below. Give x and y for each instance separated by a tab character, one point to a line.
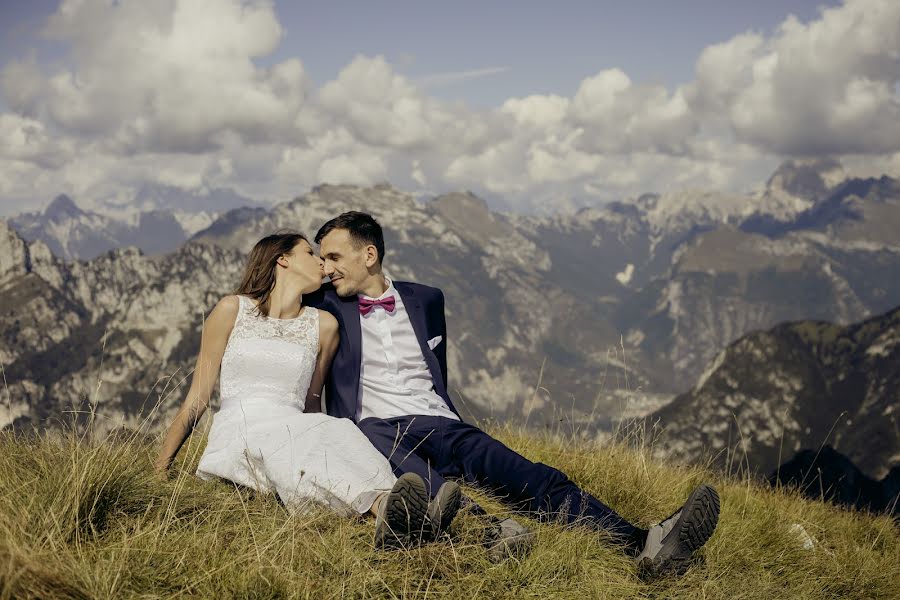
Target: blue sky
546	47
543	48
529	104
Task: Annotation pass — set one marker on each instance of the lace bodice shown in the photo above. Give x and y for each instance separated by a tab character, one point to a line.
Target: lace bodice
269	360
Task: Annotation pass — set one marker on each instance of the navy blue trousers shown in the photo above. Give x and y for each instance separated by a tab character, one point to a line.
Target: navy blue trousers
437	448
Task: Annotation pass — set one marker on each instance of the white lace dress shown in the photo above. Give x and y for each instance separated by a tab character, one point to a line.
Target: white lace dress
261	438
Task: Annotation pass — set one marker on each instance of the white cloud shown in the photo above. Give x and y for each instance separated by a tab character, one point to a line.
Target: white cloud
722	70
539	112
618	116
159	91
26	139
22	84
417	174
818	88
497	168
357	169
556	160
163	76
381	107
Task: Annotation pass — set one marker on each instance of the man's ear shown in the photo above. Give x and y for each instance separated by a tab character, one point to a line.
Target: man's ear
371	256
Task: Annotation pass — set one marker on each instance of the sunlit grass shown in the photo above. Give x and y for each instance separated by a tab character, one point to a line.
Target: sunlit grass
88	519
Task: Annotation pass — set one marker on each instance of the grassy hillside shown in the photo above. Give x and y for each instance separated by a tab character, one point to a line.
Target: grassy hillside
89	520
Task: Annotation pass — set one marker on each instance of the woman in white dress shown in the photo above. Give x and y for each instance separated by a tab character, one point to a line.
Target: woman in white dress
274	354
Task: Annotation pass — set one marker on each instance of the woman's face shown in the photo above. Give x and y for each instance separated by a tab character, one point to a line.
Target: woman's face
306	266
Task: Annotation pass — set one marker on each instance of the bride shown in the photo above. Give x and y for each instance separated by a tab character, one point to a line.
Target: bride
274	354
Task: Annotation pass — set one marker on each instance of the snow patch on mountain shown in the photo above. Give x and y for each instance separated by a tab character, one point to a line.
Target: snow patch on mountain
191	223
625	275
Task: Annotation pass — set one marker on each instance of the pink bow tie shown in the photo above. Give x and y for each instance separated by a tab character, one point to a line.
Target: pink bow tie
366	305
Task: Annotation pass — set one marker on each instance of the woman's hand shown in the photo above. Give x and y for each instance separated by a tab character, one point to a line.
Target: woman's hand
161	471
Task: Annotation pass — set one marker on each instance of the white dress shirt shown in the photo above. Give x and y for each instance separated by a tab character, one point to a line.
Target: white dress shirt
394	378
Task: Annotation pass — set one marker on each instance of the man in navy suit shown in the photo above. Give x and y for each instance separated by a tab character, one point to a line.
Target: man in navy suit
390	376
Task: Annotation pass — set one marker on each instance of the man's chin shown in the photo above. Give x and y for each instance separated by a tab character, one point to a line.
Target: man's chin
342	290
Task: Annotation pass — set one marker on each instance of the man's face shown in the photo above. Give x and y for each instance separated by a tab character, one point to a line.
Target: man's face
345	262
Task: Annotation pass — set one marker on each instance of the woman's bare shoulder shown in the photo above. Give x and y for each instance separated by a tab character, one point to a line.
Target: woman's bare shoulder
225	311
327	322
229	304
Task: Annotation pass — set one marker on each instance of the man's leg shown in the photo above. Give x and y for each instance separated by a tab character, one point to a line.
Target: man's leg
409	444
414	444
535	487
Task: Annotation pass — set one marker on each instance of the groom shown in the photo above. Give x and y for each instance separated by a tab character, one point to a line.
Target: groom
390	376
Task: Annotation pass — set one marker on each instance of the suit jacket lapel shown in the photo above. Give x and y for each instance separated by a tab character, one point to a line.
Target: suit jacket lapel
417	317
350	314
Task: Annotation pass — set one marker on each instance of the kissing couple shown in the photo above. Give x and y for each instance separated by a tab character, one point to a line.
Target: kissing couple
390	443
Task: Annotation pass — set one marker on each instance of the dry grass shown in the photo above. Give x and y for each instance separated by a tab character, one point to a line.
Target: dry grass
89	520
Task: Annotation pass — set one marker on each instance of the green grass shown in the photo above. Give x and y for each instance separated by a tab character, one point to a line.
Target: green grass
89	520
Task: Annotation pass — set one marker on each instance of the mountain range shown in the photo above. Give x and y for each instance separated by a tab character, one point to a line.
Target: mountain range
796	386
157	220
574	320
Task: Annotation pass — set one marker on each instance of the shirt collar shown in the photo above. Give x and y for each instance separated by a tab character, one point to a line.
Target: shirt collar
390	291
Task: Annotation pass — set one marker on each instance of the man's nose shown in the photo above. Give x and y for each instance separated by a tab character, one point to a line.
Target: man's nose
327	267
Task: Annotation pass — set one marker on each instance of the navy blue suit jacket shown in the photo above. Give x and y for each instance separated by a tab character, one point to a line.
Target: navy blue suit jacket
425	307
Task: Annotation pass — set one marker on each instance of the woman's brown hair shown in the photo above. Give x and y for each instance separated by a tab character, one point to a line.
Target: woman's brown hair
259	274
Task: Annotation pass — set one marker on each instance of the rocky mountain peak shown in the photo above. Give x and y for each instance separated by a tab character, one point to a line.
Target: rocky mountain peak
169	198
797	385
462	200
389	205
349	191
13	253
75	234
647	202
470	217
807	179
62	208
683	210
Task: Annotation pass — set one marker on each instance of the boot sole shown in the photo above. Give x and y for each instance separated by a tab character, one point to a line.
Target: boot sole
695	526
446	504
404	514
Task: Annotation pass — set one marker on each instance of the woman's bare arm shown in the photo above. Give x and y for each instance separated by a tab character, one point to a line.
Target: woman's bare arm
216	330
329	338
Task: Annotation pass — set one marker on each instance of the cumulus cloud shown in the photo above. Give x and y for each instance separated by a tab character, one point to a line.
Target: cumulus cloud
619	116
381	107
26	139
819	88
537	112
163	76
159	91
